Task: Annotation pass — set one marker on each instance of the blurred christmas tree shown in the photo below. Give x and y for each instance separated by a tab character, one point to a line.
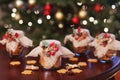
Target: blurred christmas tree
53	19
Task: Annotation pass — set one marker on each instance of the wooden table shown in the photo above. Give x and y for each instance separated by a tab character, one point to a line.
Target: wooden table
93	71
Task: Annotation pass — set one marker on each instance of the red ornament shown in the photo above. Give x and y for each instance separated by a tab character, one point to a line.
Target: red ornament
30	7
97	7
47	9
46	12
75	20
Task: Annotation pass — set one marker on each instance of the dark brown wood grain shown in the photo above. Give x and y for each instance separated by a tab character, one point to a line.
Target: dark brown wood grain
93	71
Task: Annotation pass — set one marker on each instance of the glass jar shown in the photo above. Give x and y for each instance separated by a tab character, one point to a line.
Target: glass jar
50	65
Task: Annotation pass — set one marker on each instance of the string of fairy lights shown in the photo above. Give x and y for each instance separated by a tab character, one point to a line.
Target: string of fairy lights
81	17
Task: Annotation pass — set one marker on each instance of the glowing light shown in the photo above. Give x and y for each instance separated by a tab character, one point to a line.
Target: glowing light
17	16
32	2
44	36
105	20
29	23
84	22
21	21
36	12
113	6
95	22
39	21
6	25
59	15
82	13
13	15
60	25
92	0
48	17
106	29
79	3
91	19
14	10
119	3
19	3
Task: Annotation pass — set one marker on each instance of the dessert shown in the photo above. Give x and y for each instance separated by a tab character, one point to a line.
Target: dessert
31	62
80	39
82	64
73	59
62	71
17	40
76	70
105	46
26	72
51	53
14	63
92	60
32	67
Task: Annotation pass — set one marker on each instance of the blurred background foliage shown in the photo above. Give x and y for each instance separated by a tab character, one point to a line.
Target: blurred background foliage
53	19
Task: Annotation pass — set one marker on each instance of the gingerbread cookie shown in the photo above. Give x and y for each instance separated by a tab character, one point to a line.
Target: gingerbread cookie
76	70
92	60
27	72
31	62
32	67
62	71
13	63
73	59
82	64
70	66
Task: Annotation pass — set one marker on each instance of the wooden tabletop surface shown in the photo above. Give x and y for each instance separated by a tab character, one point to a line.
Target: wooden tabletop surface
93	71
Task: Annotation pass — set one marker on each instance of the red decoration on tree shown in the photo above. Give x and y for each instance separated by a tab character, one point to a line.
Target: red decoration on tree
75	20
30	7
97	7
47	9
46	12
